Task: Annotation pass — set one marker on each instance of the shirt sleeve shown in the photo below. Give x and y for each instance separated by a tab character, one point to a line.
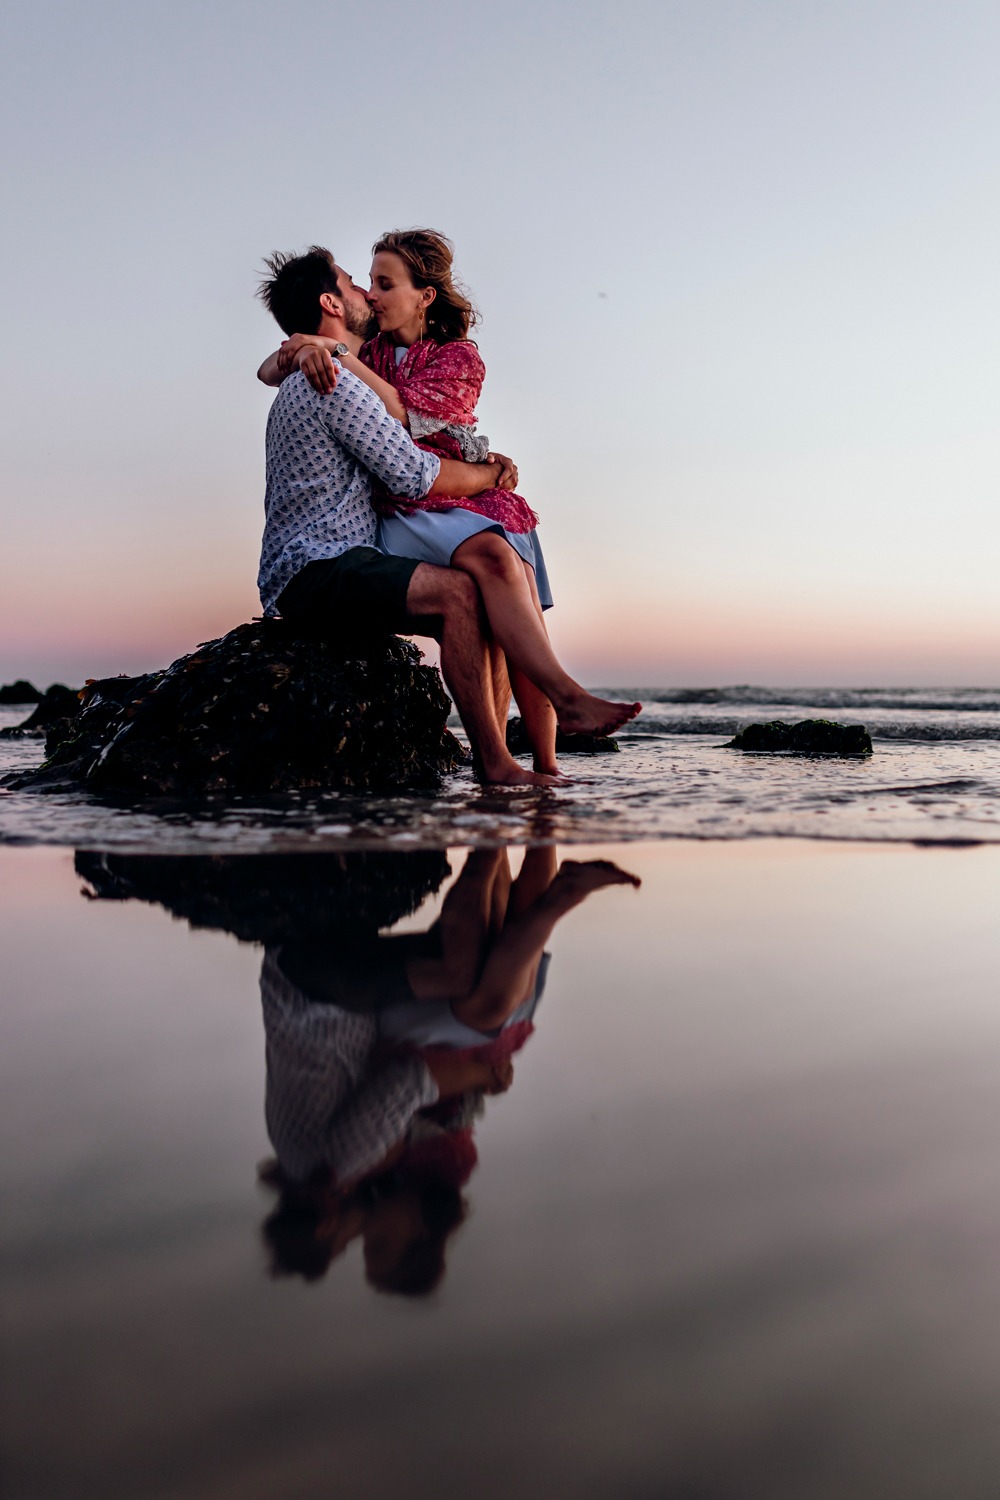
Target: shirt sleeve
356	418
378	1116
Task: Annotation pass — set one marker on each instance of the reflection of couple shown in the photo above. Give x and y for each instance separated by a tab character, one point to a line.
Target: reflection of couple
455	554
379	1054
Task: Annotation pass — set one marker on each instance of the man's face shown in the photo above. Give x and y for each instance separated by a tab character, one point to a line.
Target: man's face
358	316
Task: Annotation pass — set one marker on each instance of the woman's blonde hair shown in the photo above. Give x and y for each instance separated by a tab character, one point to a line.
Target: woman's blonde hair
428	257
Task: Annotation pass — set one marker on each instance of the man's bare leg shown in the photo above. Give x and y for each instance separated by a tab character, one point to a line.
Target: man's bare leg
453	598
464	928
497	569
501	686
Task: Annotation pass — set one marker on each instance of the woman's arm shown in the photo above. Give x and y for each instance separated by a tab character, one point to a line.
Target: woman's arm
312	354
269	372
291	356
285	359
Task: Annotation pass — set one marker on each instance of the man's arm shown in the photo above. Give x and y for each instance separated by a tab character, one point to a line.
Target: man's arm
356	418
457	478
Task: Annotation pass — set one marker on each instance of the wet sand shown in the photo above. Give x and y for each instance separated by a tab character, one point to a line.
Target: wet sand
734	1230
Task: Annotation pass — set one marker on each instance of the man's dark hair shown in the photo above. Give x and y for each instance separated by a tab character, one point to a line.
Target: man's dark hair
292	291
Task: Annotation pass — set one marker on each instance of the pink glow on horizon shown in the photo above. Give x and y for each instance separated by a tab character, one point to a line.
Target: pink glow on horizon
715	644
696	635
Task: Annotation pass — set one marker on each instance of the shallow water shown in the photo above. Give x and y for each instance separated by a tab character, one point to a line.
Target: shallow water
934	776
733	1232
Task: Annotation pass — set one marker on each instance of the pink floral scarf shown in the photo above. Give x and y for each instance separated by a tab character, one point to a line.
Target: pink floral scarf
443	382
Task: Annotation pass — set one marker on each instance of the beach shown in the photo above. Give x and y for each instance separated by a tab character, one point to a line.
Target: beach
732	1230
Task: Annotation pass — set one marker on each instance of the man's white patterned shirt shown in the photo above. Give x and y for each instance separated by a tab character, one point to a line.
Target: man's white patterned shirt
321	454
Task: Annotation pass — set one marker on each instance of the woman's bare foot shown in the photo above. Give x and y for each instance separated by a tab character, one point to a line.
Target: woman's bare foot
584	876
582	713
547	767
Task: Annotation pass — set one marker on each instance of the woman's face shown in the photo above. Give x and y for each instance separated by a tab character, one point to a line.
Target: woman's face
395	301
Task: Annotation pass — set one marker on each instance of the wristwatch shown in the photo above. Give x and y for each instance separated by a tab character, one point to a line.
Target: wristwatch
339	349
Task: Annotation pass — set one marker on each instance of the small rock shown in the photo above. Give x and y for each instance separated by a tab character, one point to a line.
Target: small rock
53	711
19	692
566	744
807	737
56	704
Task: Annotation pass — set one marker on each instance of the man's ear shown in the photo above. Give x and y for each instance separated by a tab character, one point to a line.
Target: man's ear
331	305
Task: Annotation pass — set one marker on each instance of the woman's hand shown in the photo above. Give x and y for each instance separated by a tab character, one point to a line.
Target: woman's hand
290	348
508	470
318	366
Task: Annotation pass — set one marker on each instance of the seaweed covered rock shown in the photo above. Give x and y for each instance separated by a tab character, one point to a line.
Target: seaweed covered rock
264	898
19	692
263	709
807	737
566	744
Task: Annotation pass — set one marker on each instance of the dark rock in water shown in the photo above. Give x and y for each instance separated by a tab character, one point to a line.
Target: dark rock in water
566	744
263	709
808	737
19	692
260	899
56	705
54	708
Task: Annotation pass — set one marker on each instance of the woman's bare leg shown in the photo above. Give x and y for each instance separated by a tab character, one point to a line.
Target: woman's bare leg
497	569
539	719
537	872
446	603
537	713
512	963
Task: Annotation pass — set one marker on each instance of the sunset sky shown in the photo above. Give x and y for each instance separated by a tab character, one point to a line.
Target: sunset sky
738	270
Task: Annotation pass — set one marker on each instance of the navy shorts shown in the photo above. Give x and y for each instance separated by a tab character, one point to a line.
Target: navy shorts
362	587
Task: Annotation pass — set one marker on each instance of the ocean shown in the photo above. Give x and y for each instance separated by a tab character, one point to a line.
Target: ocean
934	777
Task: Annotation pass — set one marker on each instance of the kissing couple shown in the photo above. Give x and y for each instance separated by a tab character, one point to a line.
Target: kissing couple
385	507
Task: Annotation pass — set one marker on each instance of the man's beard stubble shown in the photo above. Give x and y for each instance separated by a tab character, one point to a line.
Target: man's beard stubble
363	325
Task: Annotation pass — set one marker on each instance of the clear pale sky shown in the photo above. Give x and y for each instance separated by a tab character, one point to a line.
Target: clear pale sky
738	270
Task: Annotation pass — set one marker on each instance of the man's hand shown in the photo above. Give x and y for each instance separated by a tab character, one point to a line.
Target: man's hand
508	470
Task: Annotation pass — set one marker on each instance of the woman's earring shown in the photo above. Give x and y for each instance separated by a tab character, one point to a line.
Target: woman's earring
422	325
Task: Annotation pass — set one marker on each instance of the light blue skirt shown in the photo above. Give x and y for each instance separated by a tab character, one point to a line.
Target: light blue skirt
433	535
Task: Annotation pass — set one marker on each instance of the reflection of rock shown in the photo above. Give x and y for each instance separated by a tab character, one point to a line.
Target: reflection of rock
808	737
263	709
19	692
273	899
566	744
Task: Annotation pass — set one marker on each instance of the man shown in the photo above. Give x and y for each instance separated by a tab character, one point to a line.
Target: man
318	559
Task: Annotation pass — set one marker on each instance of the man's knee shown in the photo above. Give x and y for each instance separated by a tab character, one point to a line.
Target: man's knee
461	591
442	591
